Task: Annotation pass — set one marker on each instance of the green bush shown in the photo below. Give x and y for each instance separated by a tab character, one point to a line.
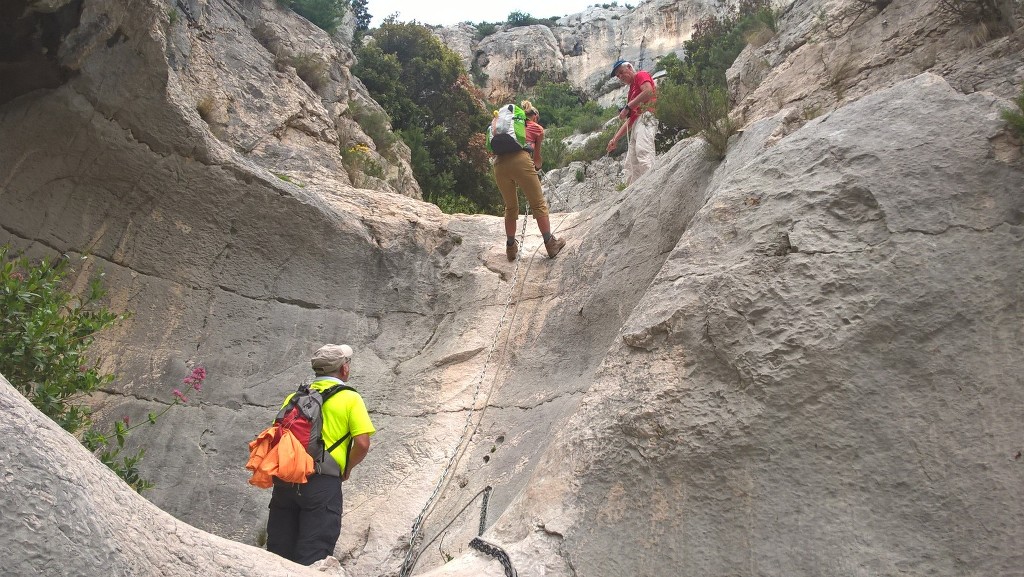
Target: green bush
324	13
553	150
697	109
451	203
479	76
693	98
45	333
593	122
565	110
597	147
517	18
1015	118
434	107
376	125
359	163
485	29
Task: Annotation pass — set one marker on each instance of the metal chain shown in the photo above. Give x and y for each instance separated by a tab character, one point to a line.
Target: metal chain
411	555
483	510
496	552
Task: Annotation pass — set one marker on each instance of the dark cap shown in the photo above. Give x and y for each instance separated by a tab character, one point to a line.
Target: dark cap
616	66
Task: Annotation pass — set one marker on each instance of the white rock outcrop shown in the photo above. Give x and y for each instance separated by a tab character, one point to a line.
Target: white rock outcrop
66	514
580	48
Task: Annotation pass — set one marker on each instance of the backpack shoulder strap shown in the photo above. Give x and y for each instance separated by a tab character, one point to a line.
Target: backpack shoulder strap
331	391
328	393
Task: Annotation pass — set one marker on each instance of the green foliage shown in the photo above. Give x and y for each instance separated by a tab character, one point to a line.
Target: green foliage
376	125
451	203
517	18
361	14
45	332
697	109
580	175
435	109
553	149
485	29
44	335
1015	118
559	103
479	76
593	121
359	163
596	147
289	179
694	99
715	44
565	110
324	13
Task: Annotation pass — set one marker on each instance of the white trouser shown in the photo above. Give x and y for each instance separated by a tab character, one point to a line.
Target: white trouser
640	155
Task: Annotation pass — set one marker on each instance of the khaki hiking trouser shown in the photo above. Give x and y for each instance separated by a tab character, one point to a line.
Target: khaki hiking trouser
640	155
516	168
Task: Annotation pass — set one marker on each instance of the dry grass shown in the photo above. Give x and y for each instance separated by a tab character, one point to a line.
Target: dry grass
759	36
839	71
206	107
310	67
267	37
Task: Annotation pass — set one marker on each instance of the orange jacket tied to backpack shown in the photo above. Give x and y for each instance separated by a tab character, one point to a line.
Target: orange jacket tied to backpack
276	452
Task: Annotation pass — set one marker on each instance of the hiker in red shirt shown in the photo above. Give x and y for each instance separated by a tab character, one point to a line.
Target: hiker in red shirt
640	121
534	132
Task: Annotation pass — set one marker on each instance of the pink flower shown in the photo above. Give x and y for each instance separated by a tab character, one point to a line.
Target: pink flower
17	276
180	396
127	420
195	379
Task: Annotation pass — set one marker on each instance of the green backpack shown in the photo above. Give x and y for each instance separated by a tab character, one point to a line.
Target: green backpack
507	132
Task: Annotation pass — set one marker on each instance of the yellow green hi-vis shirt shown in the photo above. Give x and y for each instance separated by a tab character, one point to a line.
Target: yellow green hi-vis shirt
343	413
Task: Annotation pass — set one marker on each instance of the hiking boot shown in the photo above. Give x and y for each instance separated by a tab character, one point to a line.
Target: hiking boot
511	250
554	245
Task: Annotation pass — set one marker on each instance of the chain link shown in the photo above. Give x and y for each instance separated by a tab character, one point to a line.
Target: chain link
496	552
483	510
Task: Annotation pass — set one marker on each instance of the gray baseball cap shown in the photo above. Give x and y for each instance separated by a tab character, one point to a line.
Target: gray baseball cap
330	358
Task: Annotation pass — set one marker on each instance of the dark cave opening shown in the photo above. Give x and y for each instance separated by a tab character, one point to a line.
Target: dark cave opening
29	44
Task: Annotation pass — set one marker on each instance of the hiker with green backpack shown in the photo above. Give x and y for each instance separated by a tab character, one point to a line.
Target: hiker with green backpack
514	166
330	419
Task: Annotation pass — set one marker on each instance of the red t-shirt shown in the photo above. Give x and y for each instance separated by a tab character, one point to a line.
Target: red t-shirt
635	87
534	133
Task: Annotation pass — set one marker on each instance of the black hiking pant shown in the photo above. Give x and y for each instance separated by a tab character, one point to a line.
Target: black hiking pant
305	519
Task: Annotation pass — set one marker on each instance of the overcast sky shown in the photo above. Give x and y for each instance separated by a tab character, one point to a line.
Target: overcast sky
448	12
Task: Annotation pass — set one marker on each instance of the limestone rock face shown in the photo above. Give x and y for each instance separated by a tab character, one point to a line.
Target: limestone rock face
193	79
582	184
801	360
67	514
520	57
822	58
815	346
581	47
